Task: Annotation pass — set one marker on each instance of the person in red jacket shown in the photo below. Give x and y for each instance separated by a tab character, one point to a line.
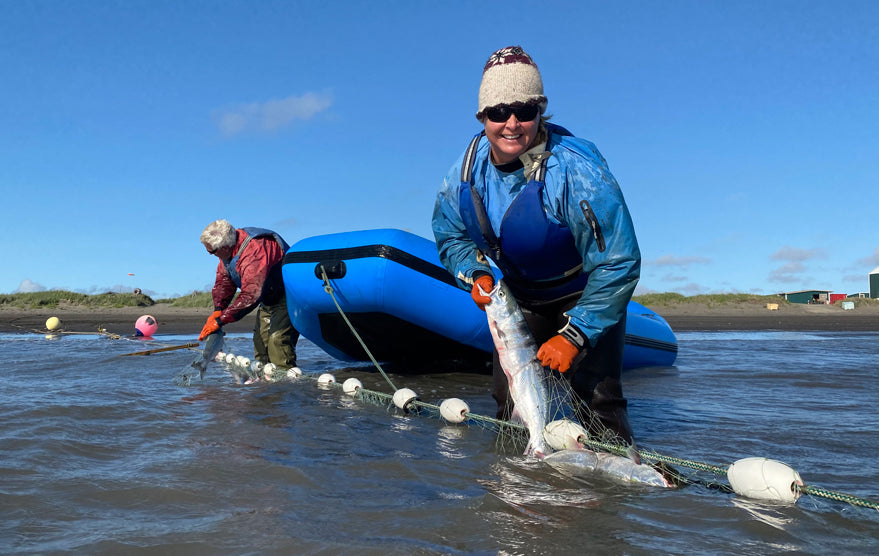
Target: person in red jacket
250	261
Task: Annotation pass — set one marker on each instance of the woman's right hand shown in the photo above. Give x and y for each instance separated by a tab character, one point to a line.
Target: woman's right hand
485	282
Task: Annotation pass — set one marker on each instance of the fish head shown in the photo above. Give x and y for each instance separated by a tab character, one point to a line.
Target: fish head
502	303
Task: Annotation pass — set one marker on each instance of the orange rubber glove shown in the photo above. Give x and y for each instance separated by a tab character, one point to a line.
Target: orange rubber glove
212	325
485	282
557	353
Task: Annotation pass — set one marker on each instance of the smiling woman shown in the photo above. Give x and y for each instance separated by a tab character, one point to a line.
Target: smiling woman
544	207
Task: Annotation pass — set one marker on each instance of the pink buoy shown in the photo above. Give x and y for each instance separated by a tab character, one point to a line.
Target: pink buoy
146	326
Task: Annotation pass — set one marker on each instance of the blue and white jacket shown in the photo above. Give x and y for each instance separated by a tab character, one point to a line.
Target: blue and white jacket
561	229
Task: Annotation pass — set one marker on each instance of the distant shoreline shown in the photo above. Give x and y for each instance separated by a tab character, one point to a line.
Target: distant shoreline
172	320
681	317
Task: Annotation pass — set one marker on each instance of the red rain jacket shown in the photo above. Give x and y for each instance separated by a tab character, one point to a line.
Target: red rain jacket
260	269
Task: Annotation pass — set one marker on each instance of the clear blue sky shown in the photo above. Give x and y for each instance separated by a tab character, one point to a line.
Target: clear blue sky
743	134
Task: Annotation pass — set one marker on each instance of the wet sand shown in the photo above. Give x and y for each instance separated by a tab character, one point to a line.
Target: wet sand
172	320
681	317
749	316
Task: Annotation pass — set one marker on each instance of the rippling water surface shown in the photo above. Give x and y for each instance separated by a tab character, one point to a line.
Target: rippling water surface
103	454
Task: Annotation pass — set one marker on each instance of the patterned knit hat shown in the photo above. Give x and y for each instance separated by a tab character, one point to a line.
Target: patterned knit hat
510	77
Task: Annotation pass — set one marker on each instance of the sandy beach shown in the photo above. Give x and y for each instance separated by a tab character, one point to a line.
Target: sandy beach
681	317
172	320
693	316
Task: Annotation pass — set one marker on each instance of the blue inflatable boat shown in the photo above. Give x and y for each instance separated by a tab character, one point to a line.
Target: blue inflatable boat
406	307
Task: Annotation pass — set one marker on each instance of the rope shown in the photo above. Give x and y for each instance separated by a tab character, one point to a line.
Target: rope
100	332
329	289
720	470
838	496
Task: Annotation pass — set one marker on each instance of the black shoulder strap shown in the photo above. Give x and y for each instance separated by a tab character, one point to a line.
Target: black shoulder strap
485	225
470	158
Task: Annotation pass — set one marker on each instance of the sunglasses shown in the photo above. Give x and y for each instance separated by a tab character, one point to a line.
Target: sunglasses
501	113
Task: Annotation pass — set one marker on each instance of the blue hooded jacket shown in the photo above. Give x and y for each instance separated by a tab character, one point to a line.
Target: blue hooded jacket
579	194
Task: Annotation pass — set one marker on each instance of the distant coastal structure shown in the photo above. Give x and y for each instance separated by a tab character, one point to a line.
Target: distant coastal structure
825	296
807	296
874	283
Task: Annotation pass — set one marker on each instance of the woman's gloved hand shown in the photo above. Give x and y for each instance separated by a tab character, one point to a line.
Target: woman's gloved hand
558	353
486	282
212	325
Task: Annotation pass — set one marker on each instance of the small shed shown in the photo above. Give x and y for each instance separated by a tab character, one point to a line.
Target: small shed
807	296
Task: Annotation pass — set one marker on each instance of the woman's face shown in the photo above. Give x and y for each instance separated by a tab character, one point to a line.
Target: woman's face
224	253
510	138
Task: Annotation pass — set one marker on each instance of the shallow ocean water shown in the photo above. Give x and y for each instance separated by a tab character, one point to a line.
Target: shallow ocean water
105	454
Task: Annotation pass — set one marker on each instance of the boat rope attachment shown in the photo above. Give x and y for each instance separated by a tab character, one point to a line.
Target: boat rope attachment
329	289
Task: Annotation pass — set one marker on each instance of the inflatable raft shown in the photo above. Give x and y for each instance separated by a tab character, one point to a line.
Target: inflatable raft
406	307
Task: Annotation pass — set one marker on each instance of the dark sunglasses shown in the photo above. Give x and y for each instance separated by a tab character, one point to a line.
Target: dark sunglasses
501	113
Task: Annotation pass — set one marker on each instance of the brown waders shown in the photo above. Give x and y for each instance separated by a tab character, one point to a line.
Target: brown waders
274	338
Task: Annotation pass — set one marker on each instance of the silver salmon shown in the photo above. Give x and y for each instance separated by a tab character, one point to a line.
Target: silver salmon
517	352
529	390
579	462
212	346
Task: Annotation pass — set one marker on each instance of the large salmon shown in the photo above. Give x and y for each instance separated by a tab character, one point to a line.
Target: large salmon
527	380
582	461
517	352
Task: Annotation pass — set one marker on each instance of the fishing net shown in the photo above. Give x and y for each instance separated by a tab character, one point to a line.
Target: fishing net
511	436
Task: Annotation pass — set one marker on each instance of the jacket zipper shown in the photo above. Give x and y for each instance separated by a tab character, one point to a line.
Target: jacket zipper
589	214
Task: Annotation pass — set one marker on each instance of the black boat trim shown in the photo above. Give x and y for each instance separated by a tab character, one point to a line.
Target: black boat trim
650	343
399	256
329	256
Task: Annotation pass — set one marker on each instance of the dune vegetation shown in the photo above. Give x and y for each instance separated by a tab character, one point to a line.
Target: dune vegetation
51	299
709	300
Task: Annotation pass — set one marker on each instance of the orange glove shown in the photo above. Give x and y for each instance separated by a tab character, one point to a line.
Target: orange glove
557	353
212	325
485	282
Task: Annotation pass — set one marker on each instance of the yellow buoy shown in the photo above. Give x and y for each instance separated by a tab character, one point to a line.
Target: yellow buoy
53	323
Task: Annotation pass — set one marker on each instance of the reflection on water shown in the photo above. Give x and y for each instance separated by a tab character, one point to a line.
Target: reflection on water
105	454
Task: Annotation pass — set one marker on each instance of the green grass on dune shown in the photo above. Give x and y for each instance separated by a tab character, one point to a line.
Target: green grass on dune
51	299
671	298
198	300
727	299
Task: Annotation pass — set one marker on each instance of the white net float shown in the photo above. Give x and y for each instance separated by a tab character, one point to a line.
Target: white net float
351	385
256	366
294	372
230	358
454	410
764	479
563	434
243	362
221	356
326	379
403	397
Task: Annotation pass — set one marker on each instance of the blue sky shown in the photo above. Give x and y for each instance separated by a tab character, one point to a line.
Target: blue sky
743	134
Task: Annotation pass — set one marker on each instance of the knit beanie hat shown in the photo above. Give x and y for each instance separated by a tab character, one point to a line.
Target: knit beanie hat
510	77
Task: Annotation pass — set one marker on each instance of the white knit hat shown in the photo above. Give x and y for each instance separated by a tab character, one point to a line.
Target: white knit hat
510	77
